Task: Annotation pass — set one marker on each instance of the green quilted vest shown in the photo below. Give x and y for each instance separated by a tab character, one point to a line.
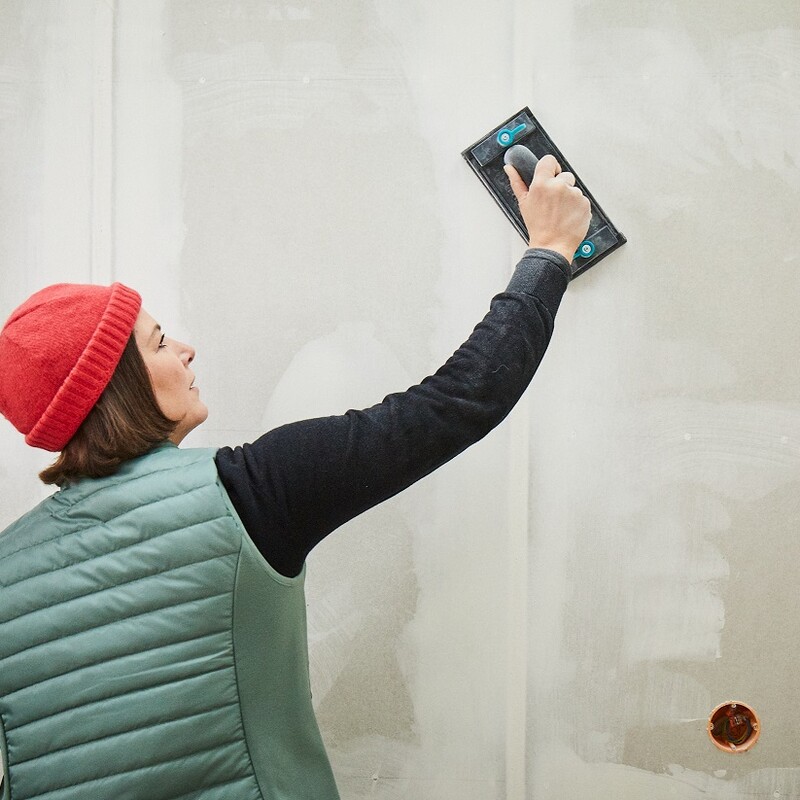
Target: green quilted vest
148	651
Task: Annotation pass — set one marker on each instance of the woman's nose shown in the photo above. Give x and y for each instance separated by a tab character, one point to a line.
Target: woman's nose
187	353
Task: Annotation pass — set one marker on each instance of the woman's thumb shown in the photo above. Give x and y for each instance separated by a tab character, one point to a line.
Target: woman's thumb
518	186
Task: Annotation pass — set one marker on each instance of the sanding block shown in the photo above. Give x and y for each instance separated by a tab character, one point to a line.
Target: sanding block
521	141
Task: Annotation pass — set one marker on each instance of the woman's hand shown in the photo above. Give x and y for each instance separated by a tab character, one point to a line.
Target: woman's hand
555	211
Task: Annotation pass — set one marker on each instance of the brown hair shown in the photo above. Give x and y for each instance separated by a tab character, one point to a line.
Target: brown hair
124	423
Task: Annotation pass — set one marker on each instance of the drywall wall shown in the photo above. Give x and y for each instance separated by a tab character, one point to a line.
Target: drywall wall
662	559
556	612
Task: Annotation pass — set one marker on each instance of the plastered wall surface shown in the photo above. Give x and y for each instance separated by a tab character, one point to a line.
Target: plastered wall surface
555	613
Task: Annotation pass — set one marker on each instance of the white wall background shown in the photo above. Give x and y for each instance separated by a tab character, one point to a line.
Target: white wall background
555	613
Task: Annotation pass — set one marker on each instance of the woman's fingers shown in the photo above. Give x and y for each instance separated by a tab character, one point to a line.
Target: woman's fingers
517	184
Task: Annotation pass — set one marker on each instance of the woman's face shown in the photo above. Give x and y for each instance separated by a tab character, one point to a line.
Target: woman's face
167	361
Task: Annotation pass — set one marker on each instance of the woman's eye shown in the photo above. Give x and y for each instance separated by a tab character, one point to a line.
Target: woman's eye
161	342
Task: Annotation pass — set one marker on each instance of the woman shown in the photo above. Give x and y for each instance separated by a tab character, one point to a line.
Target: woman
152	615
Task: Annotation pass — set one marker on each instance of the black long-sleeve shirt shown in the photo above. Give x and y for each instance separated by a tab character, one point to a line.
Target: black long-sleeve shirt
297	483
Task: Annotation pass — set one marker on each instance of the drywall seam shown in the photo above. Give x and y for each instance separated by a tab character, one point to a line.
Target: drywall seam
519	479
517	621
102	156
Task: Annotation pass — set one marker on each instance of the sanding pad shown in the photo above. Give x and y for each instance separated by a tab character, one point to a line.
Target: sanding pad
505	144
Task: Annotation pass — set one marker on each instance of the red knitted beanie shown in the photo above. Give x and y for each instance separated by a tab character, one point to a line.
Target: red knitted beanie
58	351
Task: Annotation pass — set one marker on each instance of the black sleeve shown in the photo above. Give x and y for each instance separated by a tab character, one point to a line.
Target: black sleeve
297	483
